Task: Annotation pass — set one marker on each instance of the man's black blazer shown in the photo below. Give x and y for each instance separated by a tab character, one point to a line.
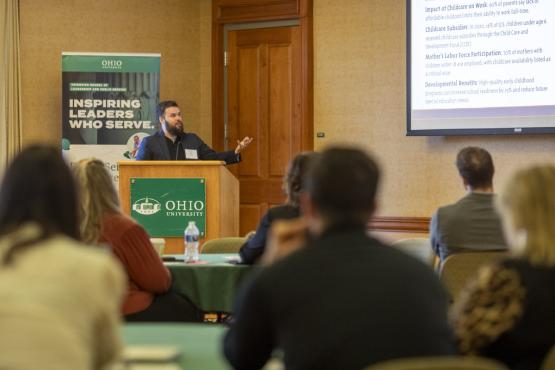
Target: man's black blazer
154	147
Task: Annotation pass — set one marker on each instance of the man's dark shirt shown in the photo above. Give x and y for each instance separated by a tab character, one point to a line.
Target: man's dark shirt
344	301
156	148
176	149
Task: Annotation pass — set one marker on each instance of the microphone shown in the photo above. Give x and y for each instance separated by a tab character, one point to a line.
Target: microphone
177	150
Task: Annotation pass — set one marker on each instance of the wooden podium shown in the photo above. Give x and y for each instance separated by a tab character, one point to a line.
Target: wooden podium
222	193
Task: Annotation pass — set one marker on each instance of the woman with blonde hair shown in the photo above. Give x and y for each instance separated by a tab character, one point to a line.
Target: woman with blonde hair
149	297
508	312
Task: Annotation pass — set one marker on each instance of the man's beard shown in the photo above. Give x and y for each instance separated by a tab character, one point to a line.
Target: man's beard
174	130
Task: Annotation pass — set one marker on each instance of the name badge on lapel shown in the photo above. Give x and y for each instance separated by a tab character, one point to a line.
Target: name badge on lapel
191	154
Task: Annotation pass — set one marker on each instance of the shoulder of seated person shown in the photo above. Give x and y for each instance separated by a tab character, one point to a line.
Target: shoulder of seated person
452	209
71	249
283	211
117	222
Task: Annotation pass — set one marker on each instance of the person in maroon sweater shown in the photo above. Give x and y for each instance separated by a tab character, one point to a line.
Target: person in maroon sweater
149	297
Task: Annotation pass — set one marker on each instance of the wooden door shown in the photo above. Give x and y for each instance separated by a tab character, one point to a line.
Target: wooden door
264	102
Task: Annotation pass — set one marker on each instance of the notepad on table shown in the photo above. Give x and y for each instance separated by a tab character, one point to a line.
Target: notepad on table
151	354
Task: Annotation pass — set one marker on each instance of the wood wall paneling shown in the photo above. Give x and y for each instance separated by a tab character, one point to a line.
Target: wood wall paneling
400	224
250	213
229	11
268	94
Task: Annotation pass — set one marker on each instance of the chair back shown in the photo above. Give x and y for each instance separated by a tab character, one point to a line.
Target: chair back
223	245
458	269
549	361
420	248
439	363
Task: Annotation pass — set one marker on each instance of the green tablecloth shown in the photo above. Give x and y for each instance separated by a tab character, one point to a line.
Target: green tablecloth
212	285
200	344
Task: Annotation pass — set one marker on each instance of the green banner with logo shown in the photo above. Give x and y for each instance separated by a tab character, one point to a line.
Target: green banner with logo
108	105
164	207
93	62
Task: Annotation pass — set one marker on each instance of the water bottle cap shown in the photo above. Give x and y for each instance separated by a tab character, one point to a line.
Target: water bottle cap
191	223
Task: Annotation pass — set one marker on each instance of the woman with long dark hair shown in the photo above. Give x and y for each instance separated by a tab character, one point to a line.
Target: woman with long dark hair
60	298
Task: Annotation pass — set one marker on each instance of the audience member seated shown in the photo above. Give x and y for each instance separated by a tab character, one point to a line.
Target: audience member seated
60	298
254	247
508	312
149	297
472	223
343	300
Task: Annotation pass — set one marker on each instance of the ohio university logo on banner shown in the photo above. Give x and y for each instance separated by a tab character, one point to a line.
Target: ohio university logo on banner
108	105
164	207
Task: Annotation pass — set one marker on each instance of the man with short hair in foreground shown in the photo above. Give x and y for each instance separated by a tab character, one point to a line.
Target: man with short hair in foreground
343	300
472	223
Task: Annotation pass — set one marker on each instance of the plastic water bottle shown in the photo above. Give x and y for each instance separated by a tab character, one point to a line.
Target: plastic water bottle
191	242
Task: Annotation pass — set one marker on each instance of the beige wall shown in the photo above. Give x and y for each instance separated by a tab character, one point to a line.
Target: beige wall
359	59
359	52
176	29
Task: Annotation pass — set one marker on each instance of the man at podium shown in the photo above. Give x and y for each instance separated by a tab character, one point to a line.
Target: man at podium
172	143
